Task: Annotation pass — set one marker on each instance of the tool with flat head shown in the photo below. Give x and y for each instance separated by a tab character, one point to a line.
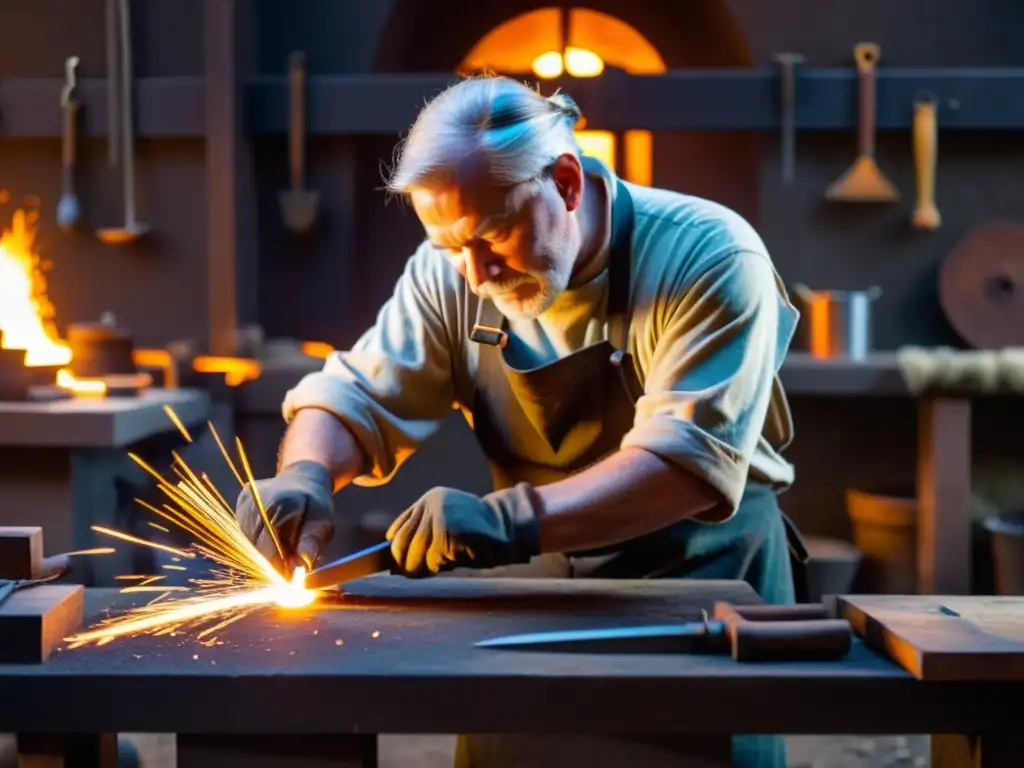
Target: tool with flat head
864	182
748	632
300	207
788	63
132	229
351	567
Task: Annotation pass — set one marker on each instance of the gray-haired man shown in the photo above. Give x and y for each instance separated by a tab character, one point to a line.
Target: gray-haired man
614	348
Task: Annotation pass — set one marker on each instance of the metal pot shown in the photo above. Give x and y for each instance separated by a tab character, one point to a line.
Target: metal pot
839	321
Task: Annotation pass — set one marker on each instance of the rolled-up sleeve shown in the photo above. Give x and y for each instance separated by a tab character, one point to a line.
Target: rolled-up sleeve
393	389
709	381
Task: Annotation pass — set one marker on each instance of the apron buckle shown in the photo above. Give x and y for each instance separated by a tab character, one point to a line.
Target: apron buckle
485	334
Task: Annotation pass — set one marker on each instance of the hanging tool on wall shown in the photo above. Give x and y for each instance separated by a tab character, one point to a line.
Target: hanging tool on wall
926	139
788	63
864	182
132	229
981	286
113	87
68	211
300	207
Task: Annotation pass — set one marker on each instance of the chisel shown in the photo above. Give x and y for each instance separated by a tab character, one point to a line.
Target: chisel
351	567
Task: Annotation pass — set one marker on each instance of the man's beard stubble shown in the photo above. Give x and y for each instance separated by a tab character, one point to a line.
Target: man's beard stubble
548	284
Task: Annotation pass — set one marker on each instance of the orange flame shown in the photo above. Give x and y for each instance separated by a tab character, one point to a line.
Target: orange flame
26	314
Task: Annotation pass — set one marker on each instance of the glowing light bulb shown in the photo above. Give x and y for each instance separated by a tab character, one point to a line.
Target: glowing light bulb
549	65
579	62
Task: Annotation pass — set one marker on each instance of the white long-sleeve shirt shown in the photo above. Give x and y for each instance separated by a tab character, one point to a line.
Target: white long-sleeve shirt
710	325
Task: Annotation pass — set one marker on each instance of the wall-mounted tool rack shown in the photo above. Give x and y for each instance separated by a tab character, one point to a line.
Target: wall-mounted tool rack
695	100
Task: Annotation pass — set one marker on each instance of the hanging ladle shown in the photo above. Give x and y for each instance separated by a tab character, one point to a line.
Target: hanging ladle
131	230
68	210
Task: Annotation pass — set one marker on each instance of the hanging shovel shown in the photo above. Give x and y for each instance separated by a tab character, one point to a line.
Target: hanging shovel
864	182
300	207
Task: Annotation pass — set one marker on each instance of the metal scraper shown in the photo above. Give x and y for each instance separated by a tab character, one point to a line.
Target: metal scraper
351	567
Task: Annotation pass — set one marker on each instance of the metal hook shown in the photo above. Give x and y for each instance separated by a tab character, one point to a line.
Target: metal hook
70	79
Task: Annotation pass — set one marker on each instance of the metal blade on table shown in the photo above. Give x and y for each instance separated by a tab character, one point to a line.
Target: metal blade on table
692	637
351	567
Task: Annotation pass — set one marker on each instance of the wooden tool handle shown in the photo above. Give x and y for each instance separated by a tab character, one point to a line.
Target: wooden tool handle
821	640
925	136
69	138
866	55
784	632
297	114
799	612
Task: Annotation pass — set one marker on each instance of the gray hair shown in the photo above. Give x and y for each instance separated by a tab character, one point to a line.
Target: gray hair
519	131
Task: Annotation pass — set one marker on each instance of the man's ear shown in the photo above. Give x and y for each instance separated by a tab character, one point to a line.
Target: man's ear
568	176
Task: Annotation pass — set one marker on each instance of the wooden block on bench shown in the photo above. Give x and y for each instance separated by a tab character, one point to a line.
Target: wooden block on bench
21	551
34	621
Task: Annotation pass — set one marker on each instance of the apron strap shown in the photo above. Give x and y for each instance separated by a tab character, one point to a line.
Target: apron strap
489	326
620	266
799	557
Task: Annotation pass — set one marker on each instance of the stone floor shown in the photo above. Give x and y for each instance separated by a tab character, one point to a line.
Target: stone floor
157	751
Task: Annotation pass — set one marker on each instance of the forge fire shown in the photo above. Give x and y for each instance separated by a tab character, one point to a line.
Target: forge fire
26	314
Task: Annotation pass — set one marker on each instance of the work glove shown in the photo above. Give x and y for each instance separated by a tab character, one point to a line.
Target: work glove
299	505
448	529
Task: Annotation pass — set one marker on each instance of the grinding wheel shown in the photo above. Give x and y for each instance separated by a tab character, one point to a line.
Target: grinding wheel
981	286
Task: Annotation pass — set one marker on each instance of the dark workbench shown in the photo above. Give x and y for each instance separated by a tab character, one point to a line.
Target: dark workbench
286	674
64	465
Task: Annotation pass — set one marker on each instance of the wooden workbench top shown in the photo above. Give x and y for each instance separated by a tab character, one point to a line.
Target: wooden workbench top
114	422
409	666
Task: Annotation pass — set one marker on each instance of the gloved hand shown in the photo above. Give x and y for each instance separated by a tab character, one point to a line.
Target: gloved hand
298	503
448	529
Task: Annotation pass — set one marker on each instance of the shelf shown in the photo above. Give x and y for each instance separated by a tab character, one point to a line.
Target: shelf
877	376
704	100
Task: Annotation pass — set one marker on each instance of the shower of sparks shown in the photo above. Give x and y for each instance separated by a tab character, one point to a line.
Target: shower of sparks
93	551
242	581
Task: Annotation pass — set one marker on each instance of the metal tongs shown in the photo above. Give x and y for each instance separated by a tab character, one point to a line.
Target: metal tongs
747	632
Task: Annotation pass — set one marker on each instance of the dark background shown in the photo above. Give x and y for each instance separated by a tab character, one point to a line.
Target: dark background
330	287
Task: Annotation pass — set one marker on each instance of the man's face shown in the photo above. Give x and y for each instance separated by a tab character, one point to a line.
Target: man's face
516	246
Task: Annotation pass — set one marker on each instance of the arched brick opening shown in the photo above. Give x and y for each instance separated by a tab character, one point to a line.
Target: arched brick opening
437	36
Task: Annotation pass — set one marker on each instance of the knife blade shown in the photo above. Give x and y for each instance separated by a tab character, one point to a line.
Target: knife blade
689	637
351	567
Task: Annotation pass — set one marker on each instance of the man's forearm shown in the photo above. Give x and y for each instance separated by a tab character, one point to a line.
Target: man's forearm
627	494
316	435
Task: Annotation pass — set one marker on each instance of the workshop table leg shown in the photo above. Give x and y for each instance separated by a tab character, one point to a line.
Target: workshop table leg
993	750
943	496
67	751
96	501
277	751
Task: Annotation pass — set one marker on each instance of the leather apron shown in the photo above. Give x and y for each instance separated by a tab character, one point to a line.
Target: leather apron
540	425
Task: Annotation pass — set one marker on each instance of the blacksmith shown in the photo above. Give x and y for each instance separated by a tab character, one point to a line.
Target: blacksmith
615	349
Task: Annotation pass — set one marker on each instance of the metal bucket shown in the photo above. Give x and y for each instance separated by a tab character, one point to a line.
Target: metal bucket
839	321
